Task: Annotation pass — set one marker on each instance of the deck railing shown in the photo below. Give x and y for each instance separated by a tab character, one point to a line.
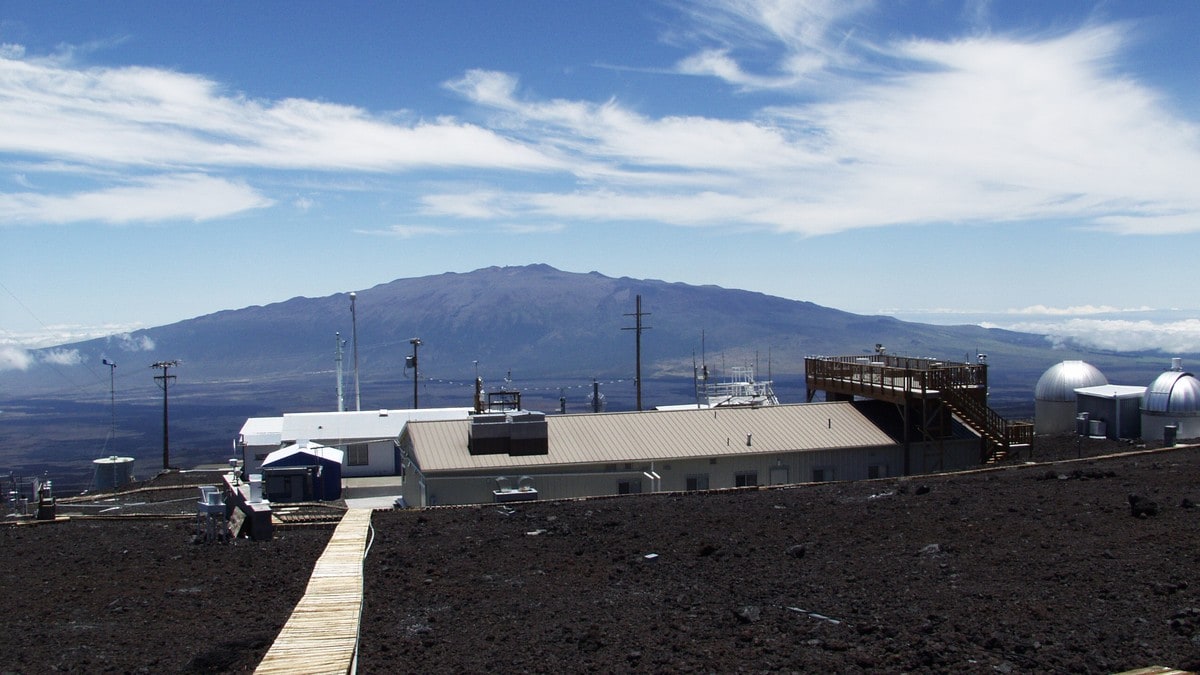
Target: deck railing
963	386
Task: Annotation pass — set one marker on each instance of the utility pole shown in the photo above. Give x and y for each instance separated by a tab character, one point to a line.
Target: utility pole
354	336
412	361
338	343
638	314
164	381
112	401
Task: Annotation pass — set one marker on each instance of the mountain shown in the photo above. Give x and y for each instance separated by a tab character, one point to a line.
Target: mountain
553	332
536	322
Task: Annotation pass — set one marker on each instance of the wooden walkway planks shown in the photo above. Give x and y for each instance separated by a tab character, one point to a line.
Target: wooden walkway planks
322	632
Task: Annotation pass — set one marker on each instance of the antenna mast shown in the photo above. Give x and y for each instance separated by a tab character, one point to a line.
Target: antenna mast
164	381
354	336
638	314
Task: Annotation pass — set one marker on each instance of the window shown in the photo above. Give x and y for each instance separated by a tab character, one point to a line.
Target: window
877	471
357	455
745	479
697	481
822	474
632	486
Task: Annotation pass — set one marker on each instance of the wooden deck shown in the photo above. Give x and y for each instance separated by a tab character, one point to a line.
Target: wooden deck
322	633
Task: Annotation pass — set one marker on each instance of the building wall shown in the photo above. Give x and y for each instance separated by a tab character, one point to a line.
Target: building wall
694	473
1153	423
1053	417
1121	416
254	456
381	460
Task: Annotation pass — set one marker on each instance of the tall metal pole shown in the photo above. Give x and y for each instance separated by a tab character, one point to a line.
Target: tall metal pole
415	342
338	343
164	381
112	401
638	314
354	336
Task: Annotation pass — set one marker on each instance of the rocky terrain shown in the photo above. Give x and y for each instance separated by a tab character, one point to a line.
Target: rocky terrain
1025	569
1047	567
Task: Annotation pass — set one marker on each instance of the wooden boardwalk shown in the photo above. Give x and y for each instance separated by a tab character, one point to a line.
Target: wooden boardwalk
322	633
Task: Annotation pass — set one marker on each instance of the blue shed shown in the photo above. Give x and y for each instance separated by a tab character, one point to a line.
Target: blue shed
303	472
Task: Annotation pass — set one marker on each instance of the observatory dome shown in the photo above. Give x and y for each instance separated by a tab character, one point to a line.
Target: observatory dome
1174	392
1060	381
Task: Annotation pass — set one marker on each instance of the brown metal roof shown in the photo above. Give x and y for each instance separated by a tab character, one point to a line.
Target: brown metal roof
659	435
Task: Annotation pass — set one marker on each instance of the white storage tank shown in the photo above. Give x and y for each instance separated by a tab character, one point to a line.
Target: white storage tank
112	472
1054	396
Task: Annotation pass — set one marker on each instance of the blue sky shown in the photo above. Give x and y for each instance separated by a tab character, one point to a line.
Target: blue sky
1028	164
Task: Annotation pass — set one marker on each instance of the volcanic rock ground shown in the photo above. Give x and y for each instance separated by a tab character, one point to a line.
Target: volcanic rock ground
1028	568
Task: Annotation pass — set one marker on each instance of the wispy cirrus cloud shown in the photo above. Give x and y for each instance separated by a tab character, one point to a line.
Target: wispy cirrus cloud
188	197
984	128
409	231
143	144
151	117
854	130
810	38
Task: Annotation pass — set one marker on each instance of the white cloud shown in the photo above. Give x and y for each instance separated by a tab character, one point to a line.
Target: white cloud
1175	337
13	357
62	334
1078	310
190	196
886	132
983	129
808	34
409	231
149	117
127	342
61	357
543	228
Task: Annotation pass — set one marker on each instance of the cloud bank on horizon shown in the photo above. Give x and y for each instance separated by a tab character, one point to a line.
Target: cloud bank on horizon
830	123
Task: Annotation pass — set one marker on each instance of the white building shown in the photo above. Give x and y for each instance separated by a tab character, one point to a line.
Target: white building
1111	410
522	456
368	437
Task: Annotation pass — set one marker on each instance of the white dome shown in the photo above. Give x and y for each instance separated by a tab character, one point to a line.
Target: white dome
1173	392
1060	381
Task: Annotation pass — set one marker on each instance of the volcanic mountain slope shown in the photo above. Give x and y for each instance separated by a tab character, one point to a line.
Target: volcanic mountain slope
535	320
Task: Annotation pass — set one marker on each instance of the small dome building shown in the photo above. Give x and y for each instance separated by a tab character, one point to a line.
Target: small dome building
1172	400
1054	396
